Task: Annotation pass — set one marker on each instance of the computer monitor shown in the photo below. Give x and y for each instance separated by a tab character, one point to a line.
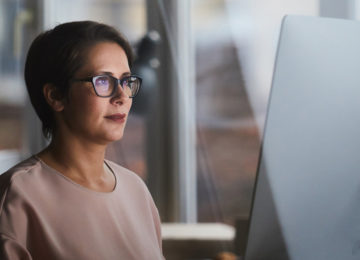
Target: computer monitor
306	203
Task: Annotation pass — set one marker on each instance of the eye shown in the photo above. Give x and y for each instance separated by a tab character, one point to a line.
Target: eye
103	85
102	81
125	81
129	81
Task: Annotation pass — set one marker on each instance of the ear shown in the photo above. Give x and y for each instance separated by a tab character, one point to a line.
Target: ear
53	97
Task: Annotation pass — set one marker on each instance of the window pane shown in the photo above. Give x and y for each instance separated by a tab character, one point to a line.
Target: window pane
235	52
12	98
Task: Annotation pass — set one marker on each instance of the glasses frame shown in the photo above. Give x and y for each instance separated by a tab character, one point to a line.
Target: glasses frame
117	82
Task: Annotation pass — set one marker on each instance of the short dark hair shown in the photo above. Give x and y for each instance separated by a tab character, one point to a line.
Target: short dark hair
57	54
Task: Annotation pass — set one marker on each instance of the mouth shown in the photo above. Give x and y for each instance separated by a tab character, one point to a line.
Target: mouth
118	118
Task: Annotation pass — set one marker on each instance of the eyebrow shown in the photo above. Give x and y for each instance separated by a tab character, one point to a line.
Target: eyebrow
127	73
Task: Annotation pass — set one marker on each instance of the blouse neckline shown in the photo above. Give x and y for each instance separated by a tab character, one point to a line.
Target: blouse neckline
77	184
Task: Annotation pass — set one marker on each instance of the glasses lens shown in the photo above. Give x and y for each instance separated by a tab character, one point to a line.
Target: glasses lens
103	85
131	85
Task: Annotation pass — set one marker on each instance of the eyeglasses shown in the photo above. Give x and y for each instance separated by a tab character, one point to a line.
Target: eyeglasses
106	85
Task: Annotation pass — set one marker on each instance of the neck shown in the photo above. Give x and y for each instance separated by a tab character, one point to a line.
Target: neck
75	158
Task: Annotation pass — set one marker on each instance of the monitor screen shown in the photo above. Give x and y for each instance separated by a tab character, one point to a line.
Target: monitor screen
306	203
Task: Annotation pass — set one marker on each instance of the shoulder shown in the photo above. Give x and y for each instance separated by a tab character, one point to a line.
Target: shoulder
123	173
127	179
19	171
134	187
16	178
22	167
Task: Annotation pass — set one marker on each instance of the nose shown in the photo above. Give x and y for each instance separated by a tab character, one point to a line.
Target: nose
120	96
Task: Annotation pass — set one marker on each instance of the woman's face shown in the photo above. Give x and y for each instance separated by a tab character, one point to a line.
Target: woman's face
94	118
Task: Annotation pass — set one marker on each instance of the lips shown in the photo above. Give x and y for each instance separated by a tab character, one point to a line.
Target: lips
120	118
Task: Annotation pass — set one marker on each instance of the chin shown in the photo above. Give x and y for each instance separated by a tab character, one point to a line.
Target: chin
107	136
115	137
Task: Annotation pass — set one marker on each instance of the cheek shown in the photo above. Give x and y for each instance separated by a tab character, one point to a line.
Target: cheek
83	107
95	110
129	104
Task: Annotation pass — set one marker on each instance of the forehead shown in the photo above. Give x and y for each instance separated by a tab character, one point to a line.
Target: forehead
105	57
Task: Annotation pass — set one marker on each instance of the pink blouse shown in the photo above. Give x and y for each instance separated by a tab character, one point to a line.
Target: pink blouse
45	215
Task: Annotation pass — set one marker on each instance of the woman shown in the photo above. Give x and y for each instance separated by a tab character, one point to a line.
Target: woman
68	202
